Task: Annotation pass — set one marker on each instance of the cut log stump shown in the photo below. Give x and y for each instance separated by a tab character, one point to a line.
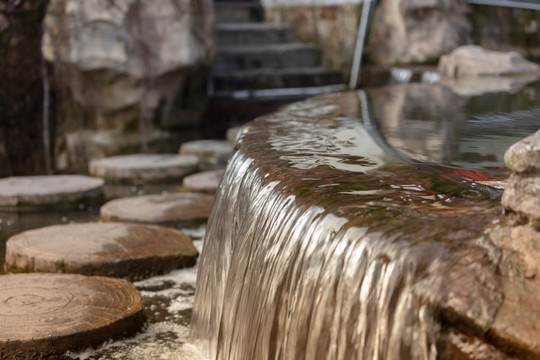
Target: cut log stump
179	210
206	181
131	251
44	315
144	168
48	191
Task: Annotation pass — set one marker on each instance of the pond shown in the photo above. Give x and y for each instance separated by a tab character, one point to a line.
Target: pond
413	150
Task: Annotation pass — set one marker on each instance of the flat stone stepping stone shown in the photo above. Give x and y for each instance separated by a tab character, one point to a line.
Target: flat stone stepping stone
173	210
212	153
144	168
48	314
132	251
206	181
233	132
48	191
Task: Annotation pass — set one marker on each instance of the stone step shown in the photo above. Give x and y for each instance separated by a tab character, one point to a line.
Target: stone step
268	56
144	168
206	181
131	251
48	191
238	11
179	210
250	33
213	153
45	315
274	78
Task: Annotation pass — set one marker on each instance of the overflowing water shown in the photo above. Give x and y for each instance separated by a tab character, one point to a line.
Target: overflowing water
334	238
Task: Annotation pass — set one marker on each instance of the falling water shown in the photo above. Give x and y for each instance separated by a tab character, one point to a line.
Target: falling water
325	244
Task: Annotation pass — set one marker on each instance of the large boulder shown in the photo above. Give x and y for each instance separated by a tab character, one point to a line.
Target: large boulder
417	31
126	60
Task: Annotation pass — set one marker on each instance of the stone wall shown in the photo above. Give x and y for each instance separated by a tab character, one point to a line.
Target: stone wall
405	32
332	25
130	67
504	29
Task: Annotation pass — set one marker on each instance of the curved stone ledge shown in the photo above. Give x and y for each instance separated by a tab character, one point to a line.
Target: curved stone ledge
332	243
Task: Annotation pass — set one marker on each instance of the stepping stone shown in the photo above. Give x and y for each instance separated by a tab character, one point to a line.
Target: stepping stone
144	168
173	210
233	132
213	153
48	314
48	191
132	251
206	181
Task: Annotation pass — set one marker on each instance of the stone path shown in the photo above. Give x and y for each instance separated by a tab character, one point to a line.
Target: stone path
206	181
175	210
132	251
144	168
49	191
47	314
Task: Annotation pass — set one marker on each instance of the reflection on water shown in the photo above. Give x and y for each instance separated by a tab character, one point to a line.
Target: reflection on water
431	124
343	229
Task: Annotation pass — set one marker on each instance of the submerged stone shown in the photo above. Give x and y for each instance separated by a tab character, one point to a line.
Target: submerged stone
130	251
49	191
174	210
45	315
144	168
206	181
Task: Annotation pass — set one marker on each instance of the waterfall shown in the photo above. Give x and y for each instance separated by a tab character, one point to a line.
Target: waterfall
316	251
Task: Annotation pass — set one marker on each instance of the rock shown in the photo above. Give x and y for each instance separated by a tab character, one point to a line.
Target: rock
131	251
206	181
524	156
522	195
419	31
213	153
45	315
144	168
49	191
129	58
472	60
175	210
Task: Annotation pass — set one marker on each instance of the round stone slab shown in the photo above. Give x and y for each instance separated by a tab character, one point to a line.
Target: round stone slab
48	314
48	191
206	181
213	153
132	251
175	210
144	168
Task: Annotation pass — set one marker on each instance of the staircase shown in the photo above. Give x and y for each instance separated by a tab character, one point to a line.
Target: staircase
259	66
